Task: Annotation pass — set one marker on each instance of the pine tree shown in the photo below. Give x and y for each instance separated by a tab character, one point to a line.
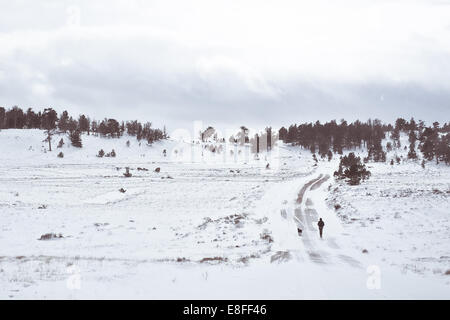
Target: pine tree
412	153
2	117
395	136
428	143
351	168
443	149
376	152
330	155
412	137
282	134
83	124
389	147
75	138
63	123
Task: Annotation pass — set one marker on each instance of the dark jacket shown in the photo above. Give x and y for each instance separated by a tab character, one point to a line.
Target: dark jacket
321	224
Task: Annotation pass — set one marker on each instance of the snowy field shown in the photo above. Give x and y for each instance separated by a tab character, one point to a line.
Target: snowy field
401	215
215	225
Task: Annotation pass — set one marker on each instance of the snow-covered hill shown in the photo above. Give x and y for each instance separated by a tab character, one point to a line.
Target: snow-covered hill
215	224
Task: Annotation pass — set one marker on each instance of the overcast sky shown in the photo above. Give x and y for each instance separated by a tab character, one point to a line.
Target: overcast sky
228	62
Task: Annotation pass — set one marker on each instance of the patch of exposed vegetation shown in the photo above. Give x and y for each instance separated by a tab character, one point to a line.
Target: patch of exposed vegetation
213	260
281	256
266	235
50	236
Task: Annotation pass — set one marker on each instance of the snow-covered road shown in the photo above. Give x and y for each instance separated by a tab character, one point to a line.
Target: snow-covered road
307	217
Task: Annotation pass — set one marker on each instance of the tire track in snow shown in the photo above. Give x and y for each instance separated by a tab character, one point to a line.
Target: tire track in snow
304	222
306	219
305	187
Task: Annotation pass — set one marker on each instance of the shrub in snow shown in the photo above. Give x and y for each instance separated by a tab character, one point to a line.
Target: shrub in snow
60	155
158	169
182	260
101	153
127	172
351	168
214	259
61	143
49	236
266	236
122	190
111	154
280	256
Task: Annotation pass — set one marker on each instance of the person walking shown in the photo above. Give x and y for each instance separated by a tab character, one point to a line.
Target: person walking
321	224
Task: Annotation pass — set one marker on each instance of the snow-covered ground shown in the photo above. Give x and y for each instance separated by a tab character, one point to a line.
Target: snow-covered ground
214	225
401	215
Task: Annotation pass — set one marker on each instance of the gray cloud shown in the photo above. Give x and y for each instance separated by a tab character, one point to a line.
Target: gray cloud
127	67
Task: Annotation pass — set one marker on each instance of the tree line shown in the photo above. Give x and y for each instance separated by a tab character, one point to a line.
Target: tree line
324	138
334	137
49	120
